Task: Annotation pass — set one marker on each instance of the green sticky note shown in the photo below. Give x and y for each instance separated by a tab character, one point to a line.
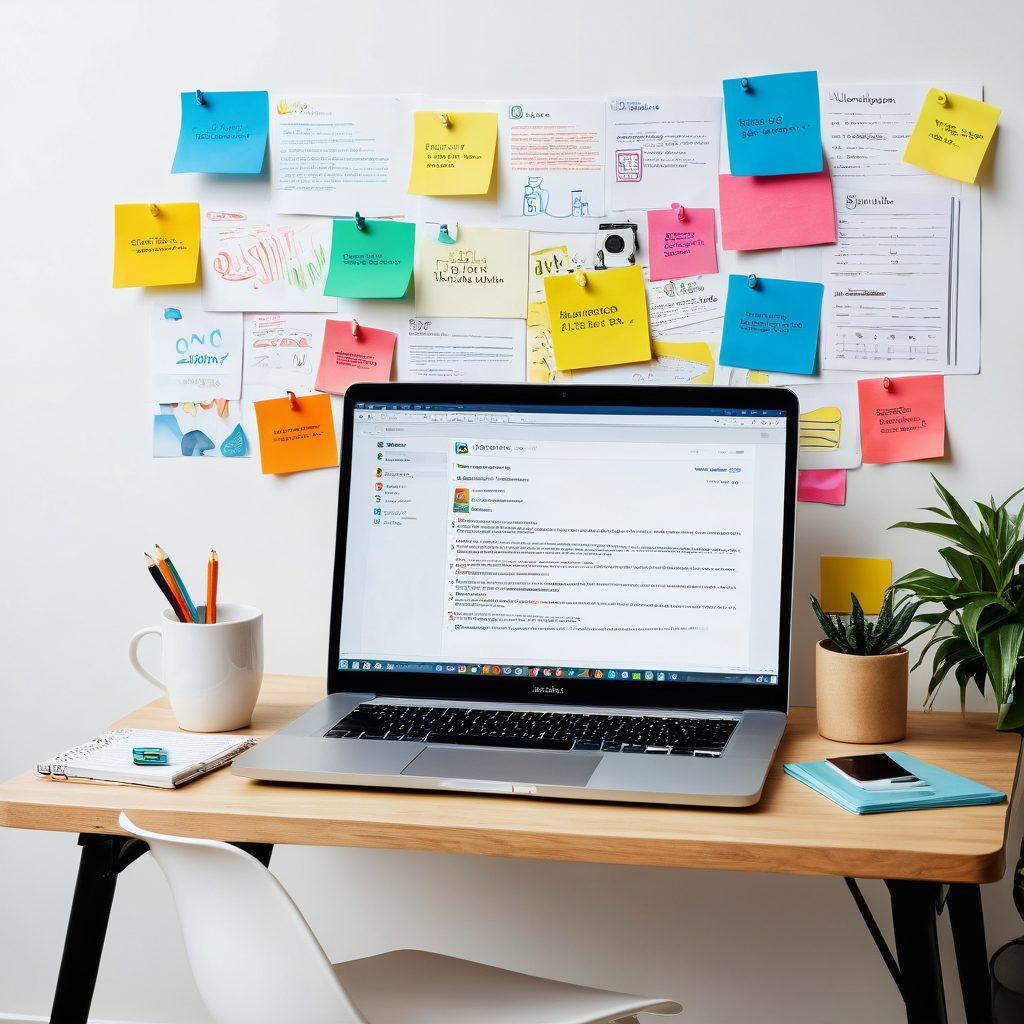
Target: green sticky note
373	263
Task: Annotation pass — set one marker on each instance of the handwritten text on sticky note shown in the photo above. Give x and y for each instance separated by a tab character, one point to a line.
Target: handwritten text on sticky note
681	246
155	245
222	133
952	135
904	421
453	159
374	262
347	357
296	439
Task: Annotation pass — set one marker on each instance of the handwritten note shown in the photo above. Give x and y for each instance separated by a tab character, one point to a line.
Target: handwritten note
772	326
821	486
196	355
601	322
952	135
681	247
347	358
776	212
903	422
294	440
224	133
453	159
868	578
483	274
155	245
282	350
372	263
772	123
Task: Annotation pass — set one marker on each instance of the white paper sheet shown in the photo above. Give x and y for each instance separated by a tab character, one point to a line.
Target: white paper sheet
829	426
688	309
334	155
282	350
197	355
462	349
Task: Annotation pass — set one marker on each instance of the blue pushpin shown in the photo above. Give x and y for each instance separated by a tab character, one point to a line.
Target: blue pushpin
200	98
745	84
170	313
752	281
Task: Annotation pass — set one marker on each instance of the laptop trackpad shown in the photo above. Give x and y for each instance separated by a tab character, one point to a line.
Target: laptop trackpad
536	766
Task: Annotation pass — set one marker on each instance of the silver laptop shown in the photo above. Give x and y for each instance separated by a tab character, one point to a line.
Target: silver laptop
580	593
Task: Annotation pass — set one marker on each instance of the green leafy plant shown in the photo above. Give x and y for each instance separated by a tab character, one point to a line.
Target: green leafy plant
860	636
978	631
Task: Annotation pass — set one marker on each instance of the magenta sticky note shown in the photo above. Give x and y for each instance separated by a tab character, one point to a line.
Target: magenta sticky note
776	212
681	247
824	486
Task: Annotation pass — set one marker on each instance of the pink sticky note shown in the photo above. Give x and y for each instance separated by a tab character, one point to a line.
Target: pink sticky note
681	248
824	486
347	358
904	421
778	211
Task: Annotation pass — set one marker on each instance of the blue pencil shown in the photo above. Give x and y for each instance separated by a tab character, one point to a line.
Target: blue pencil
162	556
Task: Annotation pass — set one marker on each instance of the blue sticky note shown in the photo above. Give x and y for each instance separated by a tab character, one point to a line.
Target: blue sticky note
774	124
226	133
772	326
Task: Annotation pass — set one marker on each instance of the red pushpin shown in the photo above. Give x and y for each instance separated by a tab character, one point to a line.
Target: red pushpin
887	384
293	401
680	211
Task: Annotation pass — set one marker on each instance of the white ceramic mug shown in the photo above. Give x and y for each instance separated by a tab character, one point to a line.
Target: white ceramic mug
211	673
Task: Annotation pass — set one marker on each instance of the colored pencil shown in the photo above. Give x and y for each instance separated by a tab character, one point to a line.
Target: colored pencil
211	588
179	609
174	581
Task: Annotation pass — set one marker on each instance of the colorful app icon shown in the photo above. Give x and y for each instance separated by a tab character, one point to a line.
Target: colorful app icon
378	471
461	448
461	500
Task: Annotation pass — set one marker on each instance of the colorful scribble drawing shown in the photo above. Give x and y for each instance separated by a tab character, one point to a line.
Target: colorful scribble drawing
821	429
265	255
537	200
629	165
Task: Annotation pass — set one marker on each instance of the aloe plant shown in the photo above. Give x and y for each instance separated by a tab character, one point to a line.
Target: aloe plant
977	632
858	635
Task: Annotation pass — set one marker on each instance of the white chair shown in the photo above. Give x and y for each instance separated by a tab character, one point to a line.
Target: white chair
256	961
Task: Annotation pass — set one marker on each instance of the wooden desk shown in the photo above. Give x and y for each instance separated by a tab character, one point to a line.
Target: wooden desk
792	830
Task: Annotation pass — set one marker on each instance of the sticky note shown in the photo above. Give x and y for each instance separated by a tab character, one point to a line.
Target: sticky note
226	133
293	440
600	323
952	137
452	160
681	248
155	244
868	578
485	273
823	486
375	263
773	326
903	422
674	356
777	211
773	125
347	358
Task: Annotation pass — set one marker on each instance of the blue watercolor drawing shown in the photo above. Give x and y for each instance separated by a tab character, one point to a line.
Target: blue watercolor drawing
537	200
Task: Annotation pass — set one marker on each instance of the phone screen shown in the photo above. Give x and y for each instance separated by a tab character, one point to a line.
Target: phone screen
871	768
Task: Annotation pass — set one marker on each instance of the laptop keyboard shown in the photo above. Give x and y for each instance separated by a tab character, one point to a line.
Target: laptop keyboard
537	730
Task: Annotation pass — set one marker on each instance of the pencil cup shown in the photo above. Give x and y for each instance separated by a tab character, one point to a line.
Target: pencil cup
211	673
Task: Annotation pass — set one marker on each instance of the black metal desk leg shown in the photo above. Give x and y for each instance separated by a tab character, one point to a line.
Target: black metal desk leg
914	910
967	921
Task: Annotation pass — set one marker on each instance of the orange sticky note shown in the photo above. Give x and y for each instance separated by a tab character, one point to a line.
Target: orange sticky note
293	440
155	244
904	421
868	578
347	358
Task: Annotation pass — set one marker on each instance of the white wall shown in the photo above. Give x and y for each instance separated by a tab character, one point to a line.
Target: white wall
90	98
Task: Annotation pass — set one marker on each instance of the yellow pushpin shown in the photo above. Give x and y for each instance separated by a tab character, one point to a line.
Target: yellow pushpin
581	278
445	120
154	209
942	99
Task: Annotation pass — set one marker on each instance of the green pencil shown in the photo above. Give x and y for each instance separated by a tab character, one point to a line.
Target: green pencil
162	556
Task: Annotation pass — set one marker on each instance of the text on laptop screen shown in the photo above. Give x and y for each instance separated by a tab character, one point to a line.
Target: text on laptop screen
633	544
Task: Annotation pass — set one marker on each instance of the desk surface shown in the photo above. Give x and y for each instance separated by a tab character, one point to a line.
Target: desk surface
792	829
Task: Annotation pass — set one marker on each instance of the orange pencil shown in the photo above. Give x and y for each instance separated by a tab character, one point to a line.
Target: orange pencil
211	588
172	583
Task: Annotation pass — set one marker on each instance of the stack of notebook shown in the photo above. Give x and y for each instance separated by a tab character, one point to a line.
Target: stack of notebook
945	789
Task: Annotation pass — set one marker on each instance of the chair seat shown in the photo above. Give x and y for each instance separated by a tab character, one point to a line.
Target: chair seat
409	986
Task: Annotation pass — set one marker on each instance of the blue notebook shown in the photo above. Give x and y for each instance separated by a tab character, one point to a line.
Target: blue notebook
945	789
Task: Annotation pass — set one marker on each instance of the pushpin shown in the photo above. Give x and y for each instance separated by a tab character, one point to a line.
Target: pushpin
942	99
887	383
680	211
448	234
360	222
154	209
752	281
745	84
172	313
293	401
445	120
355	328
581	278
200	98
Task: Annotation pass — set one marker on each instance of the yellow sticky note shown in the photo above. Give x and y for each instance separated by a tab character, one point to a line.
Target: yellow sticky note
453	159
688	352
868	578
952	135
295	439
155	244
598	318
484	273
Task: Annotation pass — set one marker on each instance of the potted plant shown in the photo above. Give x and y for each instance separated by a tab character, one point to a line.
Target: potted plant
1007	964
978	629
861	672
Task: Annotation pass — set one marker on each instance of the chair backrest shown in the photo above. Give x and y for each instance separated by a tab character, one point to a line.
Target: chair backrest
253	955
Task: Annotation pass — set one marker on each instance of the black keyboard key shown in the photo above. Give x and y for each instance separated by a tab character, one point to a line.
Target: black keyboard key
633	748
587	745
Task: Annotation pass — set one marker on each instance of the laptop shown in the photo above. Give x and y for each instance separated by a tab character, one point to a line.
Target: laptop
580	592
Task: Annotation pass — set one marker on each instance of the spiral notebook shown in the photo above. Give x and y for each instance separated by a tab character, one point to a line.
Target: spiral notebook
108	758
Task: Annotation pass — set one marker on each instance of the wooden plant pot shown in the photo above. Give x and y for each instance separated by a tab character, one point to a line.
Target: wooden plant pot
861	699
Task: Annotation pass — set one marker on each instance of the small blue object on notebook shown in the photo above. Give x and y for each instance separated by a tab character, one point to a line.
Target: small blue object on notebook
222	132
945	789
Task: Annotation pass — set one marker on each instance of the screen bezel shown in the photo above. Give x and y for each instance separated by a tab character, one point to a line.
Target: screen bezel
586	692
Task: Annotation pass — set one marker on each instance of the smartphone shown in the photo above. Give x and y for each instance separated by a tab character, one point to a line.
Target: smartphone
875	772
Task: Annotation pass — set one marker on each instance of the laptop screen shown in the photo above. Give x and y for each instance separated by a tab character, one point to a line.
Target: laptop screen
564	542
